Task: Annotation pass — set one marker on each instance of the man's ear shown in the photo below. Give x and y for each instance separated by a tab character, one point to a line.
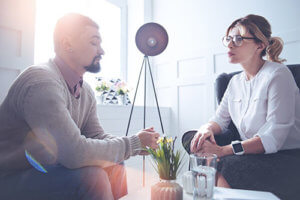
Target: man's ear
66	44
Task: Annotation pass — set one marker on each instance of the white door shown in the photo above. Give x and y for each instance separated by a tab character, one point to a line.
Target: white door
17	19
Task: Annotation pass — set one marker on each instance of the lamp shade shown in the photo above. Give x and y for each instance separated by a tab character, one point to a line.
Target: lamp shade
151	39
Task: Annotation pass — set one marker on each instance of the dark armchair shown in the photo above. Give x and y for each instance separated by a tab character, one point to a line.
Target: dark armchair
220	87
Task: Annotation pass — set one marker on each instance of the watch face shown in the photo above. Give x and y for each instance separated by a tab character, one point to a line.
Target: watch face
237	147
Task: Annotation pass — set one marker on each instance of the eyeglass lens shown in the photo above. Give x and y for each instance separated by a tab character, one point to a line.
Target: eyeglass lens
236	39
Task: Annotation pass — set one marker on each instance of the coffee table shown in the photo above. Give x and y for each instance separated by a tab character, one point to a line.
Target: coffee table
219	194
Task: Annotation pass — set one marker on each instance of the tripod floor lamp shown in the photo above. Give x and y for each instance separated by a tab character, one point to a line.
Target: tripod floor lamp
151	39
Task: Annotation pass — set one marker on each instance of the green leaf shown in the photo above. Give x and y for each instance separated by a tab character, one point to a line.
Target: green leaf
165	161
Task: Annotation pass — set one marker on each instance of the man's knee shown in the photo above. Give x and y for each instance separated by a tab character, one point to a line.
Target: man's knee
94	175
118	180
96	180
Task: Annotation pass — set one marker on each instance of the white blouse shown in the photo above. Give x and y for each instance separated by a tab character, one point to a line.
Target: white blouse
267	106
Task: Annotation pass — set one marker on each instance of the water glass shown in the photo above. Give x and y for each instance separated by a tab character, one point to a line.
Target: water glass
203	167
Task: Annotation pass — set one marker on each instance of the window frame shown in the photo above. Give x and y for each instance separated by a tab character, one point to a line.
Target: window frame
122	4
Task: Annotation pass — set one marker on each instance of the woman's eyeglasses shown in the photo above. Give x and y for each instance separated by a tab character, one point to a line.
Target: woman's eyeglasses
236	39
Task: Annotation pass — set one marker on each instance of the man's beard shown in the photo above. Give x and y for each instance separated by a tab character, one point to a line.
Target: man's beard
93	67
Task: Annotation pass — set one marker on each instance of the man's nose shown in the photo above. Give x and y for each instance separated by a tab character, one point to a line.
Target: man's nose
100	51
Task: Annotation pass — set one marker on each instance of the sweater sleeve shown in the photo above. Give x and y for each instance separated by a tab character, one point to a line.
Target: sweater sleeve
94	130
45	111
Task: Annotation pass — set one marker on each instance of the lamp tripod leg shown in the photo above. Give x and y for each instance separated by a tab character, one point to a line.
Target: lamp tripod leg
157	106
137	86
145	63
145	104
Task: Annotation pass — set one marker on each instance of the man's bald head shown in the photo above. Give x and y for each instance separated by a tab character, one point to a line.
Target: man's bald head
70	25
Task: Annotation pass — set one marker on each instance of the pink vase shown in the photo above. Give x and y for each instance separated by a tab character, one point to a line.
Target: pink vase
166	190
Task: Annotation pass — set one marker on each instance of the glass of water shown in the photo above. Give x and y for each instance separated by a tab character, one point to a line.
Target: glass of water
203	167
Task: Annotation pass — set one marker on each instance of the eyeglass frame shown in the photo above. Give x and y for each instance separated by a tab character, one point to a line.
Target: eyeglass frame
234	43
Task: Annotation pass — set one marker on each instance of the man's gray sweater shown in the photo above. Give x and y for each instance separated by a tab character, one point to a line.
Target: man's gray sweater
41	116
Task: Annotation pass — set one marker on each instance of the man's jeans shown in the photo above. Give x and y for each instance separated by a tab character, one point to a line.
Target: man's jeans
60	183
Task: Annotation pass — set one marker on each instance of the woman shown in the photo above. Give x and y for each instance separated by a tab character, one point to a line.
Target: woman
264	104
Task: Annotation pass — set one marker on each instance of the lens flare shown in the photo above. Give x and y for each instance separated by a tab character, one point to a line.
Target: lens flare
35	163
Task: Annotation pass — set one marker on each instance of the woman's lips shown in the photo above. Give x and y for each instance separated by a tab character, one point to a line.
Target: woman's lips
230	54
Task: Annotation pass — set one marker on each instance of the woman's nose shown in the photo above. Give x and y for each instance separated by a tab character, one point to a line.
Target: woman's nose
230	44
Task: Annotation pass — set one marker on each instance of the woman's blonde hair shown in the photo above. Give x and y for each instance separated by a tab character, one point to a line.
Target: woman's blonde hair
260	28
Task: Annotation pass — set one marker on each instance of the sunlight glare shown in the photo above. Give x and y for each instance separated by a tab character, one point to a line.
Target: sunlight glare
108	17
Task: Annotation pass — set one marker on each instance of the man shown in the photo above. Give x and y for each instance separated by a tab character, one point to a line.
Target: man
50	114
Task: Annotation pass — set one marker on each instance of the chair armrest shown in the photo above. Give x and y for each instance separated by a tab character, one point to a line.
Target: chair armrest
221	139
187	138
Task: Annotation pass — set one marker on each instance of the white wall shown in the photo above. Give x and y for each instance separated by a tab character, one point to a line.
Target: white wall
17	19
186	71
135	58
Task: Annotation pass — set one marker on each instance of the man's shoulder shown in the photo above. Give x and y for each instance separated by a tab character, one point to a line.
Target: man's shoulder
39	70
40	73
38	77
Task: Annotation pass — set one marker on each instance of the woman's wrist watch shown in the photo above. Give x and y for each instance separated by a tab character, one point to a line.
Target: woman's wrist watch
237	147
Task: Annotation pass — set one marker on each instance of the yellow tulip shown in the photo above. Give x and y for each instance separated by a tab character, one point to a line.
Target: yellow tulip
160	140
170	140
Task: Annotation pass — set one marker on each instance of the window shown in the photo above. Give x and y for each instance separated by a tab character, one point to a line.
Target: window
107	13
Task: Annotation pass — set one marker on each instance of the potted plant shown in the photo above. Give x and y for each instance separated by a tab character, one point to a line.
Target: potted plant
167	164
122	91
102	88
